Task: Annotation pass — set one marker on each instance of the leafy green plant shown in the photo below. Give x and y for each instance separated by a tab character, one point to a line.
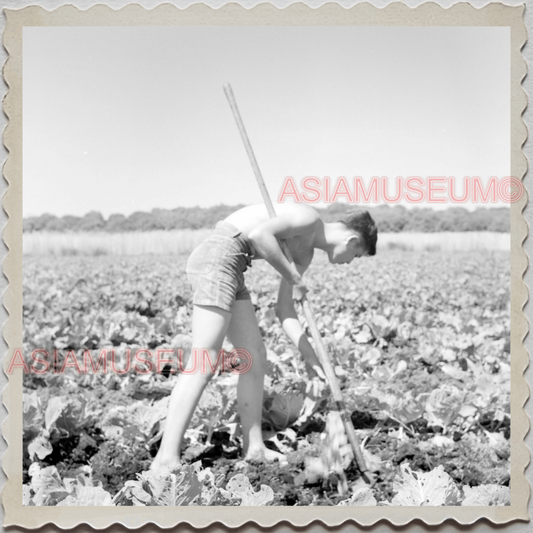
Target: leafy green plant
420	348
487	495
282	410
423	489
47	488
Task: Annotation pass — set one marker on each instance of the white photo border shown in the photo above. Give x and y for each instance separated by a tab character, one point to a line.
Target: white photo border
427	14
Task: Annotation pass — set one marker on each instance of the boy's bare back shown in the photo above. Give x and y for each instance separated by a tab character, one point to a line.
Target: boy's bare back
296	224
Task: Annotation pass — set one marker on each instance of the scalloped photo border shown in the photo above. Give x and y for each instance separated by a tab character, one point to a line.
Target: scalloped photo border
396	14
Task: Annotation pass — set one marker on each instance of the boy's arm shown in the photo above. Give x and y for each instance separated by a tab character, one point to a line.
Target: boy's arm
286	313
265	240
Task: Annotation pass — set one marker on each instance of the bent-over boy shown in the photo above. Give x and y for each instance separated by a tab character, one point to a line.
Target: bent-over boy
222	306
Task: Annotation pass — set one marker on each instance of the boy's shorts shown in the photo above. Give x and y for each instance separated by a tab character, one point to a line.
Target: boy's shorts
215	268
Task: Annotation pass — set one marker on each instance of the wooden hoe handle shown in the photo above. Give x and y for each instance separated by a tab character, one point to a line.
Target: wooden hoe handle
315	333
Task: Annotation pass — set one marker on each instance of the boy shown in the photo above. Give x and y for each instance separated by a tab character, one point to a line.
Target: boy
222	306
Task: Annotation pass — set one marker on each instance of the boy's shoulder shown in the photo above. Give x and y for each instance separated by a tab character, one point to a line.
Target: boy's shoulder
293	216
297	210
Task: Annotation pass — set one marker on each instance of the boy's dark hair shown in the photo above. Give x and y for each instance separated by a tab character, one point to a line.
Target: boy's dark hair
363	223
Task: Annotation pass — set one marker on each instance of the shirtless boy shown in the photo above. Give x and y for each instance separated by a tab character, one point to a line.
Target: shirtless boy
222	306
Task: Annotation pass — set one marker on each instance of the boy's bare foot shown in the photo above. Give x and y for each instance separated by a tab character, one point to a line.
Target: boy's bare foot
265	455
160	466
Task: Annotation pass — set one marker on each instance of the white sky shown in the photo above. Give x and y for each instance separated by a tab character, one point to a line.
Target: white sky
129	119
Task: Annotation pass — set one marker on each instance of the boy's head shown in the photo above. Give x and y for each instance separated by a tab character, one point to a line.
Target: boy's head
362	223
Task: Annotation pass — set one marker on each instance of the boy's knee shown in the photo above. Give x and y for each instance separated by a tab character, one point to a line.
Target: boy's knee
254	358
260	358
262	351
257	352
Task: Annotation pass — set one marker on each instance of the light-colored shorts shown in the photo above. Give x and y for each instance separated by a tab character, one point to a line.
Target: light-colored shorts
215	268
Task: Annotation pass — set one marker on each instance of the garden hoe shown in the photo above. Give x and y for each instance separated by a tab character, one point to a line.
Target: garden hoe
320	349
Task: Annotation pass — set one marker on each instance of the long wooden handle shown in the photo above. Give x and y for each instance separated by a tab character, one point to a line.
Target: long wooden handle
244	136
336	392
315	333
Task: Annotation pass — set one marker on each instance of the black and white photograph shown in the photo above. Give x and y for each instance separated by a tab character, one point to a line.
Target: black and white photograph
266	266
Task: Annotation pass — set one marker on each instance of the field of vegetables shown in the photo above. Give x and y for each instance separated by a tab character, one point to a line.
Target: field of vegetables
420	344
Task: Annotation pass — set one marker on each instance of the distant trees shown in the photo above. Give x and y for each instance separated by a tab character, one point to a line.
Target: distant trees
398	218
92	221
388	219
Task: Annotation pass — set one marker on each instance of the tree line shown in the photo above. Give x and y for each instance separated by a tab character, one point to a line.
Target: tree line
389	219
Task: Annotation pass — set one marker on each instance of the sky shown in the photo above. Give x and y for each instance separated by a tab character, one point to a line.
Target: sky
125	119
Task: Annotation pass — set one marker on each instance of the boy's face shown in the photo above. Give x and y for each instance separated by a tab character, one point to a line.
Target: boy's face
348	249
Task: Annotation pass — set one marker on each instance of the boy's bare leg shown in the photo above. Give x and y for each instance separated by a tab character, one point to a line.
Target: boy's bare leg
243	332
209	326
